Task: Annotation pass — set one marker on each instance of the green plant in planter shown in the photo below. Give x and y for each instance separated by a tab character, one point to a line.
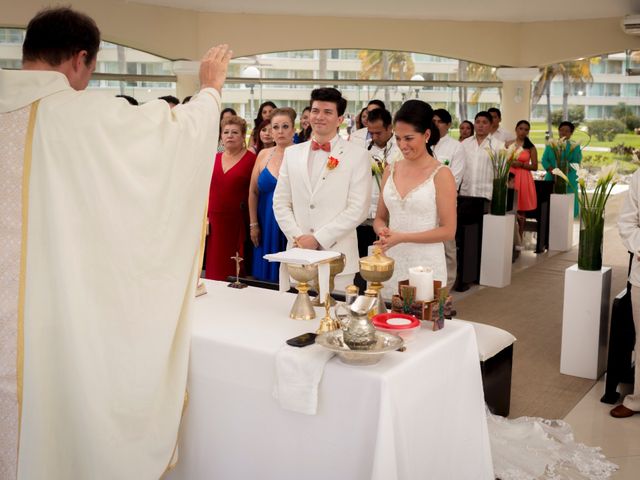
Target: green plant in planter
592	208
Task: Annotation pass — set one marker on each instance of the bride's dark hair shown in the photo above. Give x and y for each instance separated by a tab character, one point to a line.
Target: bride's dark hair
419	114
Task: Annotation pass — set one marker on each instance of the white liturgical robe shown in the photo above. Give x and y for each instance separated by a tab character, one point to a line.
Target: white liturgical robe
101	221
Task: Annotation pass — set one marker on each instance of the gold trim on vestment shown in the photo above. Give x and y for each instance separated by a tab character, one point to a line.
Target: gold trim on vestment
26	175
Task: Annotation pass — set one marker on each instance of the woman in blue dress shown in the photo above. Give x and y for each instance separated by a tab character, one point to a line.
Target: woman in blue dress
572	153
265	232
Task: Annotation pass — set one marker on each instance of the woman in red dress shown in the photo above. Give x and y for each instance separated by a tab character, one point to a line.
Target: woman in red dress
522	167
228	212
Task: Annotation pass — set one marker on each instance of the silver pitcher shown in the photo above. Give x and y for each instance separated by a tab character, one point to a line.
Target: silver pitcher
358	331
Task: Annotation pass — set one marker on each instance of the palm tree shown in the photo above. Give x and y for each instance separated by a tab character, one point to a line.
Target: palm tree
576	74
385	65
474	72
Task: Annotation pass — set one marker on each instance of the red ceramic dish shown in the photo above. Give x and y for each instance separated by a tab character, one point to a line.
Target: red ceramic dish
395	321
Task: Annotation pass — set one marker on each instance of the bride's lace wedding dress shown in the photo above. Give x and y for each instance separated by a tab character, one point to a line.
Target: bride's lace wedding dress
524	448
415	212
529	448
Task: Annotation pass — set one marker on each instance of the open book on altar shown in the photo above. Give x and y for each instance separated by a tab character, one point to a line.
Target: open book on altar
302	256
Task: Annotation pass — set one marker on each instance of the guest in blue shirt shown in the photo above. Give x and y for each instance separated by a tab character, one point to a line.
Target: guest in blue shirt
265	232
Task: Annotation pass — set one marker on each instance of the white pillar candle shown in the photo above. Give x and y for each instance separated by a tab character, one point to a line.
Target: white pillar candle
422	279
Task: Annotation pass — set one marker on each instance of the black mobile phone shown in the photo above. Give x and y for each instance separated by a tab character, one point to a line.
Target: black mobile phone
302	340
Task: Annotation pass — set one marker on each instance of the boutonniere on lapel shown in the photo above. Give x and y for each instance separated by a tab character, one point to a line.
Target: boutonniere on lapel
332	163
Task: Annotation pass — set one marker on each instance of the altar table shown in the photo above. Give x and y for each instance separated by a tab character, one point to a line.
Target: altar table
417	414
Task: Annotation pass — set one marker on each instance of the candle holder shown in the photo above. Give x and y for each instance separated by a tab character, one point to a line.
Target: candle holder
435	310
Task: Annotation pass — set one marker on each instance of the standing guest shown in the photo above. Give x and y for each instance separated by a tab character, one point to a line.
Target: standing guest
362	137
171	100
360	123
324	187
349	121
477	180
228	212
264	230
305	128
265	140
449	152
95	354
522	167
417	210
629	229
224	114
496	130
131	100
572	154
264	113
466	130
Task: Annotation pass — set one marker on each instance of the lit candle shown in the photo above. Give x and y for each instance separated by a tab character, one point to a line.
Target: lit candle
422	279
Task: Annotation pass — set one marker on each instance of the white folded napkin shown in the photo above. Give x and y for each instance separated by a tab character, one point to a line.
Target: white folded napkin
303	256
298	374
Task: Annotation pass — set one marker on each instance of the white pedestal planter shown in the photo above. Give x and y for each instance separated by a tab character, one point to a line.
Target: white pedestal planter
585	322
561	222
497	250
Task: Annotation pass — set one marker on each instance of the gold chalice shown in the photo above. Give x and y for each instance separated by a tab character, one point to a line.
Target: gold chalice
375	269
336	266
303	274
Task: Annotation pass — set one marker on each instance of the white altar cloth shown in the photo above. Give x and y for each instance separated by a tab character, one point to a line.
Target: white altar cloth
415	415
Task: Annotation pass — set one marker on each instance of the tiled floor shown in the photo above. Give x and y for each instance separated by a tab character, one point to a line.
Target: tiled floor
618	438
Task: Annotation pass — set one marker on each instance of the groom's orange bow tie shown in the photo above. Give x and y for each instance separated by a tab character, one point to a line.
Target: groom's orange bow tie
317	146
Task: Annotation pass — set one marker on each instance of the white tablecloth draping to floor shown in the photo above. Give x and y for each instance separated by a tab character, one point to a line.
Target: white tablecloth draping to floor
415	415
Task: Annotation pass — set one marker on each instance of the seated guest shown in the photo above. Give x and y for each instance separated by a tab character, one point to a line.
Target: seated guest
521	168
171	100
131	100
264	113
417	209
228	212
496	130
264	230
264	139
305	128
466	130
449	152
477	180
361	136
572	153
324	188
224	114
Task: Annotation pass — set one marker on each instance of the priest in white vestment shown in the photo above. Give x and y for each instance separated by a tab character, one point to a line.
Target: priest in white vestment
101	220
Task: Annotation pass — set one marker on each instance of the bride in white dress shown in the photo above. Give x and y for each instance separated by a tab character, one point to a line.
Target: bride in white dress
417	209
416	214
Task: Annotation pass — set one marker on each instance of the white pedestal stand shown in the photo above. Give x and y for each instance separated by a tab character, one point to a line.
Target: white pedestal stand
497	250
585	322
561	222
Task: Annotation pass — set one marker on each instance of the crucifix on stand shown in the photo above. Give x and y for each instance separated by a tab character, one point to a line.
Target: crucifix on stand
237	283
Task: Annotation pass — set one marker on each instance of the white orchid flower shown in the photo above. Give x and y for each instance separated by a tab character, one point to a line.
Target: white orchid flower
560	173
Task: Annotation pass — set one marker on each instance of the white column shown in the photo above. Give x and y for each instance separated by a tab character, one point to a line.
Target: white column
188	81
497	250
585	322
561	222
516	95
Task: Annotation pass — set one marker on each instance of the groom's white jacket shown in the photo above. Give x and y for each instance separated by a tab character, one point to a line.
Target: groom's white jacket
331	209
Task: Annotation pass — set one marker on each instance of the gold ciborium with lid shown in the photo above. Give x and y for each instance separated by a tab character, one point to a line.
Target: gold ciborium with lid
375	269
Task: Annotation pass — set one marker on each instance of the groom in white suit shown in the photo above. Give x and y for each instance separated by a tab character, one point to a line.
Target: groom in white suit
324	187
